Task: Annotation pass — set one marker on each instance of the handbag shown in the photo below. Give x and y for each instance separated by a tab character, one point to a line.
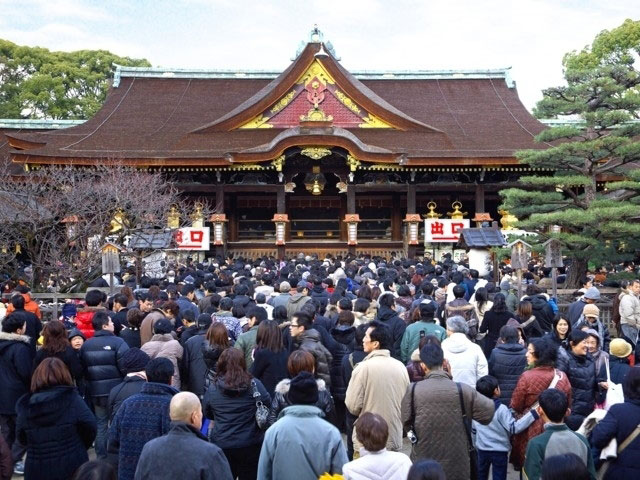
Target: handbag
262	412
602	472
614	392
473	454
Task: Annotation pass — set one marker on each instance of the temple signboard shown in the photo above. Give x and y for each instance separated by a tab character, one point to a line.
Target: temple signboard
192	238
438	230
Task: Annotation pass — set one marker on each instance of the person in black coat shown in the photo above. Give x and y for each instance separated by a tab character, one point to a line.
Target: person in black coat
102	357
494	319
319	294
198	458
120	302
387	315
134	362
580	370
507	362
619	423
270	357
16	361
229	402
193	368
54	423
344	334
619	351
540	308
34	325
131	332
56	344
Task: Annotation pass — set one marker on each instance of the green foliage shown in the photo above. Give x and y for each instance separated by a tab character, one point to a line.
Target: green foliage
602	95
38	83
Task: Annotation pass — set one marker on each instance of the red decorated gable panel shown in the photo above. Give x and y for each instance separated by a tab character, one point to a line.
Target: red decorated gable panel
315	94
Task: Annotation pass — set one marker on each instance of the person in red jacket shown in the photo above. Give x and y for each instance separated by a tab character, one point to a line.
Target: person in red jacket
29	304
93	299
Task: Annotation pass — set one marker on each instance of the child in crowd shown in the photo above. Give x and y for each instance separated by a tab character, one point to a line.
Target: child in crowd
493	441
557	438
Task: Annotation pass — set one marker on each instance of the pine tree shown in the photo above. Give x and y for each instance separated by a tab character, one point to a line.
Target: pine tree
594	191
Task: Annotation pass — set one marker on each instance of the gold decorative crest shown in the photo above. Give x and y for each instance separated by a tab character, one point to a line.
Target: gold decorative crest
353	162
284	101
316	71
258	122
371	121
278	163
315	153
347	102
316	114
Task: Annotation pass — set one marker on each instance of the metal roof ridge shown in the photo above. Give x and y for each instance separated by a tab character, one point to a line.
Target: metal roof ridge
38	123
162	72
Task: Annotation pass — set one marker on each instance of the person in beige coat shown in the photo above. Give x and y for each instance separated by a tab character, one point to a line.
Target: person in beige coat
431	409
378	384
162	344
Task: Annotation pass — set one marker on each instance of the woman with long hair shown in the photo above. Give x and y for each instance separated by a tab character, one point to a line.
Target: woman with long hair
494	319
230	403
216	342
56	344
481	303
269	357
54	423
542	355
528	321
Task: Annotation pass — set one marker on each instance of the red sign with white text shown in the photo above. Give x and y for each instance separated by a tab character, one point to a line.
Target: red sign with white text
438	230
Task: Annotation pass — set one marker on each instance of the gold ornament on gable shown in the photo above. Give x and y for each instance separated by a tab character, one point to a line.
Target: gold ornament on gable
316	153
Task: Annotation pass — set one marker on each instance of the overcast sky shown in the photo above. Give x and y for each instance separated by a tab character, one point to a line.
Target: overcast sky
529	35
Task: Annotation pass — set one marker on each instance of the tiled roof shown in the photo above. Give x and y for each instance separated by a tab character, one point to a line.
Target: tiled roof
481	237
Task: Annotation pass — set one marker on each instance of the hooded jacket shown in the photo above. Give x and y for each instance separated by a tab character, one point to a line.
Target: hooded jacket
295	304
16	363
397	327
84	318
233	411
467	360
310	341
584	385
281	401
380	465
165	346
506	363
300	446
542	311
57	427
629	309
29	306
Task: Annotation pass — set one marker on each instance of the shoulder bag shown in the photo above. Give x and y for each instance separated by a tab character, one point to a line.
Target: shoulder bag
262	412
602	472
557	375
614	392
411	434
473	454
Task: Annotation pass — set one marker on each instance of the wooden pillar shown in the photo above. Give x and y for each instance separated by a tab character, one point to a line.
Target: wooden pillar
480	208
220	250
351	208
233	217
281	207
411	208
396	218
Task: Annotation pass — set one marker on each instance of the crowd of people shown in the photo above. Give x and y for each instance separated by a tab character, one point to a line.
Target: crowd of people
321	366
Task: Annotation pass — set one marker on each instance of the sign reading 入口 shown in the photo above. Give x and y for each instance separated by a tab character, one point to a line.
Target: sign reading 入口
192	238
443	229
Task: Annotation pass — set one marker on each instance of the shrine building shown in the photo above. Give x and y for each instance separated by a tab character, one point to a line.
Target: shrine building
313	159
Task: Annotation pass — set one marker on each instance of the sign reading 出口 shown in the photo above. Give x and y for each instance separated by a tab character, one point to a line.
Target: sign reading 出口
438	230
192	238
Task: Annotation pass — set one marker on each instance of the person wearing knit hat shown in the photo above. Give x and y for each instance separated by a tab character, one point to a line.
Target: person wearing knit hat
301	444
589	319
76	338
134	361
